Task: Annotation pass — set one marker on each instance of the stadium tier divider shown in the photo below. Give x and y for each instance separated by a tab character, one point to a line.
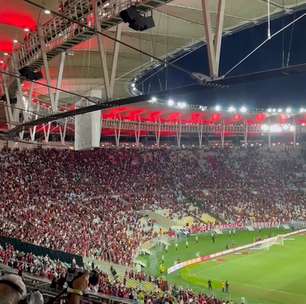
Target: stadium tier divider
41	251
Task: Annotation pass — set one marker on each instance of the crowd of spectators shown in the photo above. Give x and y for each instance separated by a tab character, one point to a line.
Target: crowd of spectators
107	284
89	203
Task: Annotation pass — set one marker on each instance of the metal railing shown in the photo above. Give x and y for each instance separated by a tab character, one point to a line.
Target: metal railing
60	34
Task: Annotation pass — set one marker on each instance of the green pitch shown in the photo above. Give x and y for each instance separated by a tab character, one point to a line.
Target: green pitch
274	276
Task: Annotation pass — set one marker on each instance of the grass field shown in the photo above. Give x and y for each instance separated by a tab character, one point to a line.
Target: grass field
274	276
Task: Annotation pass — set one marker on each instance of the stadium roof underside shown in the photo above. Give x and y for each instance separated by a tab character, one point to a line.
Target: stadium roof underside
179	24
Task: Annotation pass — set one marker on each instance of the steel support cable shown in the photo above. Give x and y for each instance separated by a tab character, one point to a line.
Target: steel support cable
21	109
262	44
110	37
48	86
159	69
290	45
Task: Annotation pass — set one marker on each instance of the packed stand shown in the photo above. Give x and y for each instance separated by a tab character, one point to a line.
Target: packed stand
89	202
106	284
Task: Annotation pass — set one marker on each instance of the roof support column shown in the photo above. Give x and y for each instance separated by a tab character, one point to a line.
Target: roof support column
8	102
222	133
115	59
20	102
137	133
47	70
213	43
269	140
157	134
33	130
294	135
178	133
246	129
29	105
101	50
63	131
59	78
118	131
200	134
47	131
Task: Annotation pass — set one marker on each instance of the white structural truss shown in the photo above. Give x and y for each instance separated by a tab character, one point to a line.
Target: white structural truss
213	41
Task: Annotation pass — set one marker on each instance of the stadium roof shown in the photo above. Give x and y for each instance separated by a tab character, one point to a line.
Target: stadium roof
179	24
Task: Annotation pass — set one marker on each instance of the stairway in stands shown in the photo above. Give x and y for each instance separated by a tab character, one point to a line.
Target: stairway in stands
60	34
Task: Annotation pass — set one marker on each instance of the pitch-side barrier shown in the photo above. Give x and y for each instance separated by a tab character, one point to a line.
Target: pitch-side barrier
229	251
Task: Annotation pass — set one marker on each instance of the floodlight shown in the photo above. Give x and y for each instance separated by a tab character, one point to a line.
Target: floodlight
218	108
153	99
231	109
288	110
243	109
182	105
170	102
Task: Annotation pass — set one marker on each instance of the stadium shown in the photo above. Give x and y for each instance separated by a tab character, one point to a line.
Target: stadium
152	151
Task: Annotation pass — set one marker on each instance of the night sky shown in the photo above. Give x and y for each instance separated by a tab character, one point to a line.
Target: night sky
288	48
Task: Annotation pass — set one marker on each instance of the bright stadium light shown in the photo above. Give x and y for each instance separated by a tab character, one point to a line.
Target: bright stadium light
170	102
153	100
269	110
302	110
288	110
182	105
243	109
280	110
218	108
231	109
273	110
